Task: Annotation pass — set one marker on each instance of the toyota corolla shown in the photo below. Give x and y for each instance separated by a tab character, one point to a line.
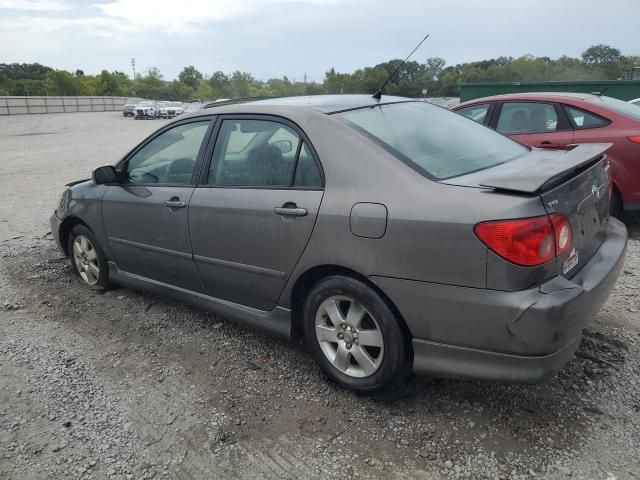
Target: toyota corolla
390	234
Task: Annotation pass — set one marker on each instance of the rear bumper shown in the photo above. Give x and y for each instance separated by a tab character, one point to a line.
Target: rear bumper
436	358
521	336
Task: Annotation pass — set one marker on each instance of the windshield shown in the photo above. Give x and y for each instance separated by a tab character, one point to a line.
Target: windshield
438	143
624	108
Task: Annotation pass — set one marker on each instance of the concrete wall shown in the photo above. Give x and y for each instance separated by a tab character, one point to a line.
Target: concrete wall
28	105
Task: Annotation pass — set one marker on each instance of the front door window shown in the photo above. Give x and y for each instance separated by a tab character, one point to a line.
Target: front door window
168	159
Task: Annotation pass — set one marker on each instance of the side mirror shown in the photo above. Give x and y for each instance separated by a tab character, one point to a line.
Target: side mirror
102	175
285	146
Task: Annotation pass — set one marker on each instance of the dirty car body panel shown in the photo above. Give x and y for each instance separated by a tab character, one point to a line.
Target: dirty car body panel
375	214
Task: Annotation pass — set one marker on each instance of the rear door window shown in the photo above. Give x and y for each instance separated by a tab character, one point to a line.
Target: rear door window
528	117
262	153
307	173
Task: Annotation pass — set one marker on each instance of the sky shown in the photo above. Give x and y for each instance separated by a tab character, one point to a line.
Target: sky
273	38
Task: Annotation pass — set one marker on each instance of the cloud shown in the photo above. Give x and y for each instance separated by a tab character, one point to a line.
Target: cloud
35	5
188	13
43	27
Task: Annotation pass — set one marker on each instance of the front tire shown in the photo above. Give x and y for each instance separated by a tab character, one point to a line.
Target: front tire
88	259
354	335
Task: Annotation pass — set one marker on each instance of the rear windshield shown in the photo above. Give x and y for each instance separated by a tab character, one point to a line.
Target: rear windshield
438	143
618	106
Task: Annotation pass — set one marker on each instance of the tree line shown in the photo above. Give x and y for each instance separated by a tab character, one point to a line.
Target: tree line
599	62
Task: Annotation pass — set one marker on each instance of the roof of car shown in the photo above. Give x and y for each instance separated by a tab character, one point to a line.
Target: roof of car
322	103
529	96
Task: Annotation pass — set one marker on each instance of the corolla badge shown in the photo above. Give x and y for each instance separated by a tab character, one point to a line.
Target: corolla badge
595	191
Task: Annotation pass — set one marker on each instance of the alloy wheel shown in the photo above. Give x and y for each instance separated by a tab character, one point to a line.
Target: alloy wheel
86	259
349	336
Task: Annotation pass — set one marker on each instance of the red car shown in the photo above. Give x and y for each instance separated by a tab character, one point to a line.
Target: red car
557	120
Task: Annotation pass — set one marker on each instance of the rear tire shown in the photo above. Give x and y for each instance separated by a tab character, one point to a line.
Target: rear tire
354	335
88	259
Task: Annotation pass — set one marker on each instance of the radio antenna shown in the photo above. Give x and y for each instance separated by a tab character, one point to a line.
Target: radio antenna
378	94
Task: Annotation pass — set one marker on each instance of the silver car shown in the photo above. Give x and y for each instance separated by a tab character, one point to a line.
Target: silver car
391	235
147	109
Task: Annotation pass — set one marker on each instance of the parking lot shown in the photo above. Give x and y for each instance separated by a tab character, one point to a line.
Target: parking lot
128	385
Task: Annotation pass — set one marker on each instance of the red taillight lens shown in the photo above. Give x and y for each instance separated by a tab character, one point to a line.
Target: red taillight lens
635	138
526	241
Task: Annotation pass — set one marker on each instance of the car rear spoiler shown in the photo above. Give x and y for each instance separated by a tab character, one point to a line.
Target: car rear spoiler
540	171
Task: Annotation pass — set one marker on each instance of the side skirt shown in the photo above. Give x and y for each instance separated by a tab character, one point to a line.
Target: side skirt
276	321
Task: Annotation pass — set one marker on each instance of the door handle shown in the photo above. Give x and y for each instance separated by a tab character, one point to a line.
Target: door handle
292	211
550	144
175	202
557	146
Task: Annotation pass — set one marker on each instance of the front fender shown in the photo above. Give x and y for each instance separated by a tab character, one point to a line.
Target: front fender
84	205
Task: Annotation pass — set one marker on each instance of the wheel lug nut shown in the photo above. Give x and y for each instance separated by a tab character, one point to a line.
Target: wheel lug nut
348	345
340	336
343	326
355	340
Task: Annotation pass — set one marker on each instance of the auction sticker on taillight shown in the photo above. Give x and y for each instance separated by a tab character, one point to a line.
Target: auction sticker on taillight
570	262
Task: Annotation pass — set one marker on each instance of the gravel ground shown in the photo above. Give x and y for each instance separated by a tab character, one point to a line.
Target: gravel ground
127	385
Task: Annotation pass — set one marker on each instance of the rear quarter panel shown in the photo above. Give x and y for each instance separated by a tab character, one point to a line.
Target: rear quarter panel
624	156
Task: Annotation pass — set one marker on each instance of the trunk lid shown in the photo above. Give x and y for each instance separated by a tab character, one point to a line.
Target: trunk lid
575	183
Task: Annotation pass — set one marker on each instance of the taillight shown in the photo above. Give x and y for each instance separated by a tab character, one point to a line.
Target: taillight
635	138
526	241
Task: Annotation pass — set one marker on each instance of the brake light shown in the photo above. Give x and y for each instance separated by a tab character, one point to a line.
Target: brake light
526	241
635	138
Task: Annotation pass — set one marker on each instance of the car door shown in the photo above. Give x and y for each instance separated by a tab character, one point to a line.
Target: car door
253	215
145	215
537	124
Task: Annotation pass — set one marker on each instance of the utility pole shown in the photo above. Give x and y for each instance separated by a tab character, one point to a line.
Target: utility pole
133	66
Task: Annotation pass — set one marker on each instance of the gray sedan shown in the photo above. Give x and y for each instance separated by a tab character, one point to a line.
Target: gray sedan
389	234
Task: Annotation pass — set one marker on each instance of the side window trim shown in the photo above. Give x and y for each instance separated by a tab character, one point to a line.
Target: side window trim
497	110
123	163
295	162
565	107
215	134
563	119
490	113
